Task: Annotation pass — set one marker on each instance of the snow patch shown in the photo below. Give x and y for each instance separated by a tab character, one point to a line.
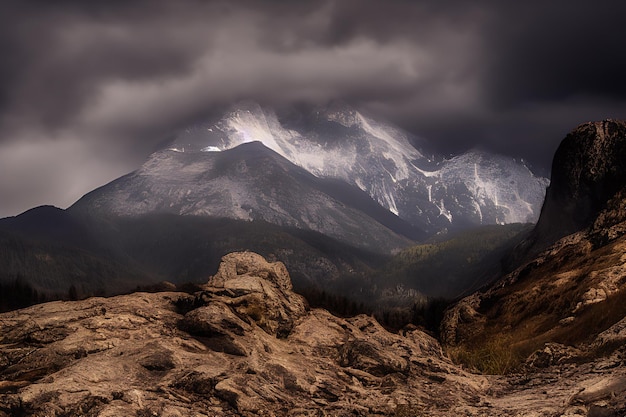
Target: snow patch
443	211
427	174
211	149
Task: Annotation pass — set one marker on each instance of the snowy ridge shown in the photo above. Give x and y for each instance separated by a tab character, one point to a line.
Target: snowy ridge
249	182
470	189
499	181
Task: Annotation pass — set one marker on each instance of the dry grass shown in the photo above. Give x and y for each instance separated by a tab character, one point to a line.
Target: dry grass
524	316
495	357
408	410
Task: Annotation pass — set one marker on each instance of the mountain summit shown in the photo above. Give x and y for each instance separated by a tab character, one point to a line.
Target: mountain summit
429	191
248	182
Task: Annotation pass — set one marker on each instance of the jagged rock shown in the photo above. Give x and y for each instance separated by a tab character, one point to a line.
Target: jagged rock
601	388
614	335
587	172
248	277
222	352
462	321
236	265
552	354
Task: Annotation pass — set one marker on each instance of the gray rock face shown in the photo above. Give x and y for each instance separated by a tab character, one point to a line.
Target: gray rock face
248	346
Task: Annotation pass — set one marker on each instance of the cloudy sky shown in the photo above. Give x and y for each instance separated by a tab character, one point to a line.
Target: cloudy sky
89	88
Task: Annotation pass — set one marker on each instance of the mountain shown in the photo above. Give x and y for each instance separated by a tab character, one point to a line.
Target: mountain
247	345
570	286
587	174
249	182
333	194
431	192
48	251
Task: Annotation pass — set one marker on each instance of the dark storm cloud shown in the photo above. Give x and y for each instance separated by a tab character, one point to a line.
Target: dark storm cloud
550	66
92	86
60	56
562	50
65	55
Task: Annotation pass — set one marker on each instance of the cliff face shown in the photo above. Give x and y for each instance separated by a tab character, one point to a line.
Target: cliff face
588	170
247	346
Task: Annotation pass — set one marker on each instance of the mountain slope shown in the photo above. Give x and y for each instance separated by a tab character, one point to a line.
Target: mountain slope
454	267
249	182
575	288
429	191
104	256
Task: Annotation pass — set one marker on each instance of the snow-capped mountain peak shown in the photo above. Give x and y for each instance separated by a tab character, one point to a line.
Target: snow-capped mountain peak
342	143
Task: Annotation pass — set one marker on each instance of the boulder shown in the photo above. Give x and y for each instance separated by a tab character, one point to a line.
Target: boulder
247	346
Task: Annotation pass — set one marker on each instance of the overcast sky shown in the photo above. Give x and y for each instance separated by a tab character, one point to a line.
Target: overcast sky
89	88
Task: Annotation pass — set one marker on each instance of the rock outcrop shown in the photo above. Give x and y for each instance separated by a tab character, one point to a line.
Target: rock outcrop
588	171
247	346
569	293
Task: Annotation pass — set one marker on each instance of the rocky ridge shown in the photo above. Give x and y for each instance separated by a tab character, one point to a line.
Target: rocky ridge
568	294
588	177
247	345
429	191
250	183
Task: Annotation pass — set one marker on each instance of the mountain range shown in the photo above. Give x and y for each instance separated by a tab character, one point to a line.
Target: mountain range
332	193
396	169
547	338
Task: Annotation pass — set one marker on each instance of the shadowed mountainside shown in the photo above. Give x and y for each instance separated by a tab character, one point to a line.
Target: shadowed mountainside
116	255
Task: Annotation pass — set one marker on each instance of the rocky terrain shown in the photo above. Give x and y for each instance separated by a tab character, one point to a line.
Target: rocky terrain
247	345
569	291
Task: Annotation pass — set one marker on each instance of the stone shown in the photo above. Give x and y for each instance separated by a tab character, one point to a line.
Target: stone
222	352
552	354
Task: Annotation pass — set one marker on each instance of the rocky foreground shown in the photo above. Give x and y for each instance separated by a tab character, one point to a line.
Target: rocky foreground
248	345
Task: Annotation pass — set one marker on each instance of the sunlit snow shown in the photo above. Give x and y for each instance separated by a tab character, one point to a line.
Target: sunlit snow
211	149
379	159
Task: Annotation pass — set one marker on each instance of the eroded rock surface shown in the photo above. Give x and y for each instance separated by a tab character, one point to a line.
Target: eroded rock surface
587	171
248	345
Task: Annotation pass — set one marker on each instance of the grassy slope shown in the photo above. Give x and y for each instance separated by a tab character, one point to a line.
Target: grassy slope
523	316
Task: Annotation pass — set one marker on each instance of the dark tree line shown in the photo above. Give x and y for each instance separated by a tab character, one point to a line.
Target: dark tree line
426	315
339	305
19	294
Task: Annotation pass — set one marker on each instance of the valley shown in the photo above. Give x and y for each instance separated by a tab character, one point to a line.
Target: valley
529	319
310	193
